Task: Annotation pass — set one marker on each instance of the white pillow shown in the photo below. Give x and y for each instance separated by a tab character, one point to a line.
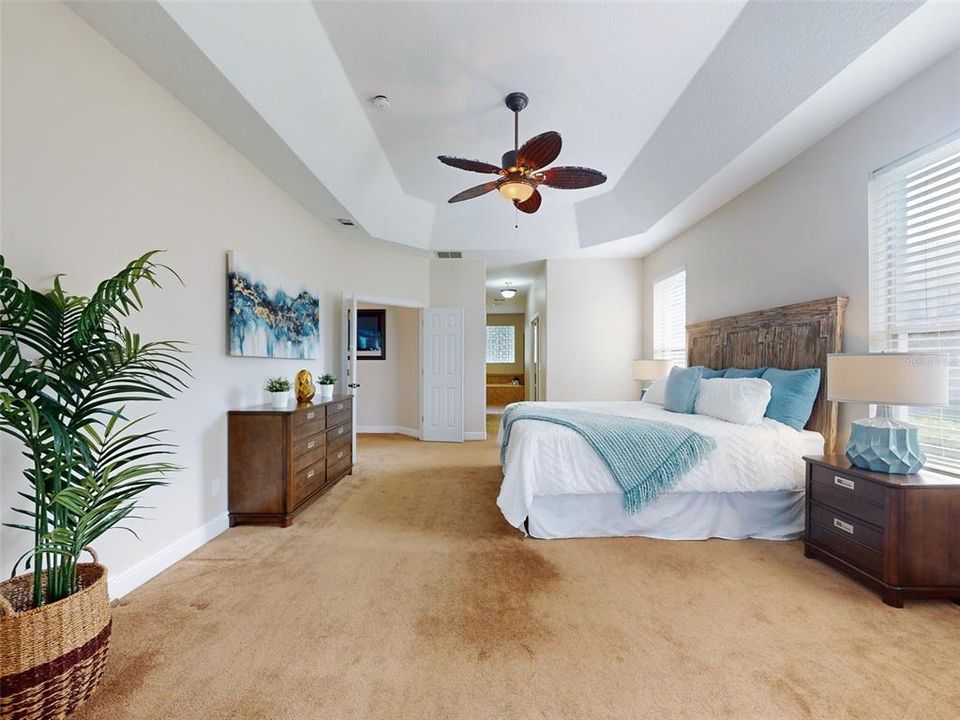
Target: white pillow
738	400
656	392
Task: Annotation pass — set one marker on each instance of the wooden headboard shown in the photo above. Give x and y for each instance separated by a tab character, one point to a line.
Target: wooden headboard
789	337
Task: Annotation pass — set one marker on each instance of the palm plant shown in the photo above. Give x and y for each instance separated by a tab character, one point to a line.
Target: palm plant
68	370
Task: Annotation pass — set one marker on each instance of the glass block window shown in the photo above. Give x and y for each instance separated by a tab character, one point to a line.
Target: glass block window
501	347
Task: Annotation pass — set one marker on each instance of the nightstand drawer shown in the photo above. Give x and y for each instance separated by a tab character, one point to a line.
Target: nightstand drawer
847	549
848	503
851	486
846	525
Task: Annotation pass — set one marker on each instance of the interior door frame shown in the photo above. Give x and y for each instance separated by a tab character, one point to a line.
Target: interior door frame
418	305
536	356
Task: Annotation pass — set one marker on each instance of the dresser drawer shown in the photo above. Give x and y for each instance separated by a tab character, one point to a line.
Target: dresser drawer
337	462
337	433
339	441
308	480
309	458
848	549
851	486
305	430
338	407
308	444
307	415
849	504
339	418
843	524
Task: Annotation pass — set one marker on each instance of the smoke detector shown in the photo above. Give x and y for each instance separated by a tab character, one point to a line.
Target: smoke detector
380	102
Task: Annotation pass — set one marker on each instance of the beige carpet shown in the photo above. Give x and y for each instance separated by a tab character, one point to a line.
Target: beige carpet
403	594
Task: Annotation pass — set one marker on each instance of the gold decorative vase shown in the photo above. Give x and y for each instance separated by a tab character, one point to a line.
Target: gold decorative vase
304	387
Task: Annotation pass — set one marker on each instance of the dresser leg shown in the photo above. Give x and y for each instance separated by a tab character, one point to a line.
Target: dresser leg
893	598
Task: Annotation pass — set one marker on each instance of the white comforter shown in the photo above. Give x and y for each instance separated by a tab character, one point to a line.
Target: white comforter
548	459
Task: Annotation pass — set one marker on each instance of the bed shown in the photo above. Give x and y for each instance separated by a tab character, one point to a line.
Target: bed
750	486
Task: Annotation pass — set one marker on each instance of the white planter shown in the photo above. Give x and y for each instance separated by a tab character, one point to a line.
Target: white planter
326	392
279	399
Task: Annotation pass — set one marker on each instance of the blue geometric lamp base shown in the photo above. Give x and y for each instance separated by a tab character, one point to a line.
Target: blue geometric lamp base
883	444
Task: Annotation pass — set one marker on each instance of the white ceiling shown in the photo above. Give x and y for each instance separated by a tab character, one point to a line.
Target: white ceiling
683	105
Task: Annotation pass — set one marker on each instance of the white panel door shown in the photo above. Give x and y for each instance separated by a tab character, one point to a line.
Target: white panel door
442	374
348	374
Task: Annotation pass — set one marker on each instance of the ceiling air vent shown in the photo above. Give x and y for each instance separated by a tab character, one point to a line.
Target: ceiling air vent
346	222
451	255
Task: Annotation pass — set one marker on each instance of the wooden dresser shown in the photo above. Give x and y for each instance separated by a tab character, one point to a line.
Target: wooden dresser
282	460
898	533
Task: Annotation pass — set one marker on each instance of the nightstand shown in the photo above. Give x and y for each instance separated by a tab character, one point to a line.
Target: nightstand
897	533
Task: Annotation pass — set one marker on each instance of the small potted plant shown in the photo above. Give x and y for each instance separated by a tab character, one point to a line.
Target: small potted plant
279	389
326	382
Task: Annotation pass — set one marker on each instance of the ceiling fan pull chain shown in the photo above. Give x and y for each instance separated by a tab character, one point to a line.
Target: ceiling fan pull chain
516	218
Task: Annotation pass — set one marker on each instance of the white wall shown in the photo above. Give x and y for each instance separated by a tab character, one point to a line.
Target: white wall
100	164
389	396
462	283
594	331
536	307
801	233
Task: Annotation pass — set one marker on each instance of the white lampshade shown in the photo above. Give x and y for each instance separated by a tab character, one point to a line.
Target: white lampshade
650	369
888	378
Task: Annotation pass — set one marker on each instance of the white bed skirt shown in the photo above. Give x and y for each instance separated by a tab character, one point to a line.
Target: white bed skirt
776	515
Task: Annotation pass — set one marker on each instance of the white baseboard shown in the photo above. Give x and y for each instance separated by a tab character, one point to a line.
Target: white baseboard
388	430
475	435
125	582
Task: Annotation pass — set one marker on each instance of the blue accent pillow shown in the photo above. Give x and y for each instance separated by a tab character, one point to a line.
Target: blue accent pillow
792	394
741	373
683	385
709	374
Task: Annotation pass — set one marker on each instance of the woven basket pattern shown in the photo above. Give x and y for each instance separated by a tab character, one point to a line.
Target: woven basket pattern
52	657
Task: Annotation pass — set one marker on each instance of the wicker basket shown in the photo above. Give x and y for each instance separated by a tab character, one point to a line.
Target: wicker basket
52	657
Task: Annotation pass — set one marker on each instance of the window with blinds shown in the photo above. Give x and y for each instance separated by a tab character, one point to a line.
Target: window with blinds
915	278
670	319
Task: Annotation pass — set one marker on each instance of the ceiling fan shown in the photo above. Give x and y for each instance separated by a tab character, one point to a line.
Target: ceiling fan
522	169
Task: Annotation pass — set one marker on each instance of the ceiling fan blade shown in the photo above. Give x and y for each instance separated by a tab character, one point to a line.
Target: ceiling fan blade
571	177
473	192
539	151
531	204
471	165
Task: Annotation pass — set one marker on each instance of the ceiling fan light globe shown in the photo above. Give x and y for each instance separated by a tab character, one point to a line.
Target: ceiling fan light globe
516	190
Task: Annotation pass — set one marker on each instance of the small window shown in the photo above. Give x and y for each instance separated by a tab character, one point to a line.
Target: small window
501	341
915	278
670	319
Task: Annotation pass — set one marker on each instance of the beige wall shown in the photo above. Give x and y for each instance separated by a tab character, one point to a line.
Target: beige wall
462	283
101	164
389	395
594	332
517	321
801	233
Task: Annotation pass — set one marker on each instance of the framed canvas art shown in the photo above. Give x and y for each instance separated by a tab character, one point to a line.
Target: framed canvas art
269	315
371	334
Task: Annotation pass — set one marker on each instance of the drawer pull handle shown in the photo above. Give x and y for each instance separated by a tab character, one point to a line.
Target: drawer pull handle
844	482
310	474
339	454
310	415
845	526
310	445
340	431
340	406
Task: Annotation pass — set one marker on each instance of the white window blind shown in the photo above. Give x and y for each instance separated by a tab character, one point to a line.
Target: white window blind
915	278
500	344
670	319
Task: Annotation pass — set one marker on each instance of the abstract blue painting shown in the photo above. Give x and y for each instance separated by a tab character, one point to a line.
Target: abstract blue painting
270	316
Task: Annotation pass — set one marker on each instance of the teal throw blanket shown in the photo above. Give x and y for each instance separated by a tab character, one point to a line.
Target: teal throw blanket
645	457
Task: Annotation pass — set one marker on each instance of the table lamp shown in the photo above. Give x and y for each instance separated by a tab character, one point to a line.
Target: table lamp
646	371
883	443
